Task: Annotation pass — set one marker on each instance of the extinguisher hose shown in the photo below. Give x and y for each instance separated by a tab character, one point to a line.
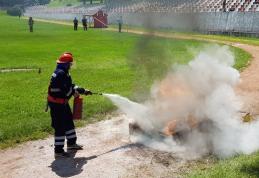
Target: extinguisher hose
94	93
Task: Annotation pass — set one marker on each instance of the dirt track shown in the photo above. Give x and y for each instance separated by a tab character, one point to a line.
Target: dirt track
249	88
108	152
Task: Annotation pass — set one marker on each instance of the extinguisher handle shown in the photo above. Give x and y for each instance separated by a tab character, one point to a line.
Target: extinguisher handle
88	92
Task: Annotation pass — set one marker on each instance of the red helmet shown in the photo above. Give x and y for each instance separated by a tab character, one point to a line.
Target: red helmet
66	57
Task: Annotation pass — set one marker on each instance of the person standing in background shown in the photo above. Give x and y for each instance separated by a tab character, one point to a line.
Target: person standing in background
75	23
224	5
30	23
84	22
120	23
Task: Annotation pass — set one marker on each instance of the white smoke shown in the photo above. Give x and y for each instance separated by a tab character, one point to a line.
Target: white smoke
198	98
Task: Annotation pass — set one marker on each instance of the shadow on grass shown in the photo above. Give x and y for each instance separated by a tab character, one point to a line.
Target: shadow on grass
251	170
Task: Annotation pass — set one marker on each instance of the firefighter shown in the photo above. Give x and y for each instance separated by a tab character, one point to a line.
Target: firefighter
60	90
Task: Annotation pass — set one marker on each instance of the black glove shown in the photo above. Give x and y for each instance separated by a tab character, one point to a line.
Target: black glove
80	90
88	92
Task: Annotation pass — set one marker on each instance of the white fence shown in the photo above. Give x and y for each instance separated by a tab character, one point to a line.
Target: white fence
204	21
65	13
212	22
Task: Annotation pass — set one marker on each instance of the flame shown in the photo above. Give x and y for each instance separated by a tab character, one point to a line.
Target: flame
171	127
171	87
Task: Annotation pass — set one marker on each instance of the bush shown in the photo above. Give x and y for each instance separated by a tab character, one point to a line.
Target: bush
15	11
42	2
69	5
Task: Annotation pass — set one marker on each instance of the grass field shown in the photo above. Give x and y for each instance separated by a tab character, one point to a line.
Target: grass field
105	62
238	167
241	166
245	40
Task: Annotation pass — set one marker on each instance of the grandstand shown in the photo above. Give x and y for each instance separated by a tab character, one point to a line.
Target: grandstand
181	6
164	6
235	17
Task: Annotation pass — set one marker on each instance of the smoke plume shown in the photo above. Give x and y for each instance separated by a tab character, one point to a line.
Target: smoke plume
198	101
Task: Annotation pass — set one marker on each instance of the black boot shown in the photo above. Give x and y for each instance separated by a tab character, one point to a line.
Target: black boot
74	147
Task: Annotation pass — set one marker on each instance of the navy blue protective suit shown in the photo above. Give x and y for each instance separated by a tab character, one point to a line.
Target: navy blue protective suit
60	91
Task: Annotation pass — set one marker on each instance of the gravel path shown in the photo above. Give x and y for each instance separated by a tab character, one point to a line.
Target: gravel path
107	153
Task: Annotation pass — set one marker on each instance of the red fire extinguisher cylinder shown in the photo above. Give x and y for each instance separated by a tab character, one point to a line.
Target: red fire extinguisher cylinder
78	108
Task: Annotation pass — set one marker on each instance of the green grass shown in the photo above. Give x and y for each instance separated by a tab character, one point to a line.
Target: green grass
243	166
245	40
105	62
238	167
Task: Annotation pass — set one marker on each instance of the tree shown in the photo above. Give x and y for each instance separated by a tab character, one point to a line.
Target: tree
15	11
11	3
42	2
84	1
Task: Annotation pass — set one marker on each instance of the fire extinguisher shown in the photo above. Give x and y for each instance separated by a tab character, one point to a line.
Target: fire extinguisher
78	108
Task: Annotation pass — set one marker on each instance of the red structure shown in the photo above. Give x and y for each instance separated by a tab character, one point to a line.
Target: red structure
100	19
